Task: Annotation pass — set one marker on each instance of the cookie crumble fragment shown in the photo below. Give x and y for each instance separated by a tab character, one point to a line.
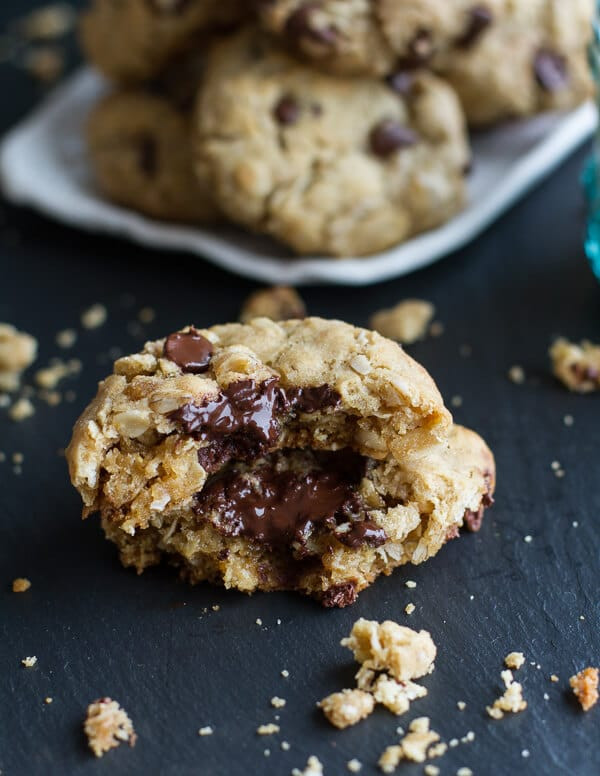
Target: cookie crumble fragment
419	744
576	366
29	662
206	731
20	585
516	374
407	322
347	707
514	660
107	726
279	303
94	317
354	765
18	350
510	701
66	338
268	730
277	703
314	767
585	687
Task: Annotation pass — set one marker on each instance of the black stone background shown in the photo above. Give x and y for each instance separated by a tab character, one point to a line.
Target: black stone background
98	629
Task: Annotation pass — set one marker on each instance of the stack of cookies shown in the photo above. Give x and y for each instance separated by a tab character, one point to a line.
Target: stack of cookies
339	127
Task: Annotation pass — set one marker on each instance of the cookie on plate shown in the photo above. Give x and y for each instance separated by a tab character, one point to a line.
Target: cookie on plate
328	165
133	40
533	60
139	146
306	455
376	37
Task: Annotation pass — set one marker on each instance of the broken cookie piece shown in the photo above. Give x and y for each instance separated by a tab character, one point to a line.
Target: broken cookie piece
17	351
577	366
417	745
347	707
107	725
280	303
585	687
510	701
407	322
256	456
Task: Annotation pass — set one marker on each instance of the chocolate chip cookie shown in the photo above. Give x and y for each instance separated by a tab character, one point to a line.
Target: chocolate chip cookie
306	455
504	57
533	60
133	40
376	37
328	165
139	146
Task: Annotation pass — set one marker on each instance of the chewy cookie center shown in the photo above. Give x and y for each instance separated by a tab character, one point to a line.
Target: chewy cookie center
285	499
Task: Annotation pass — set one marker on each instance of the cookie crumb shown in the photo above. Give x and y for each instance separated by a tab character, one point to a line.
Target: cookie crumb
215	607
525	753
354	765
48	700
278	703
314	767
66	338
285	745
576	366
48	22
46	63
285	673
107	725
268	730
407	322
347	707
416	746
431	770
259	621
453	743
409	608
206	731
514	660
29	662
546	696
20	585
516	374
528	539
18	350
279	303
512	699
554	678
50	376
568	420
409	583
267	753
461	705
21	410
146	315
585	687
94	317
456	401
464	772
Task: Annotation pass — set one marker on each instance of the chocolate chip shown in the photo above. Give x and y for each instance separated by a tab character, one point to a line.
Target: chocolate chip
148	155
339	595
390	136
550	70
189	350
287	110
480	17
473	520
301	25
401	82
364	533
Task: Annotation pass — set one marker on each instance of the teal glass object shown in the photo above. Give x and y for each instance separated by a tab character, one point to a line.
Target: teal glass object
591	173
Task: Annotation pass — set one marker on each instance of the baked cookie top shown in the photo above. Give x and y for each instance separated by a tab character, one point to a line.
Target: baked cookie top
341	166
240	390
133	40
139	145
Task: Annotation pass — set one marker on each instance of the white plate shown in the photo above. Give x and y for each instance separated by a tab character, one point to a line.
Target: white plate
43	164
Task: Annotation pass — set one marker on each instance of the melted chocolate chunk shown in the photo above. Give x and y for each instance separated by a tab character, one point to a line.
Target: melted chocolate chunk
339	596
287	110
473	520
550	70
480	18
244	421
389	136
284	509
189	350
300	25
365	532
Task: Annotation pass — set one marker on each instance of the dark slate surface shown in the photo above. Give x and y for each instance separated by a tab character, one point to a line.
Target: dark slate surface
98	629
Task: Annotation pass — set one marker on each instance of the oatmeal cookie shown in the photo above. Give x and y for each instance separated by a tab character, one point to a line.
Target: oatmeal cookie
504	57
305	454
140	150
339	166
131	41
